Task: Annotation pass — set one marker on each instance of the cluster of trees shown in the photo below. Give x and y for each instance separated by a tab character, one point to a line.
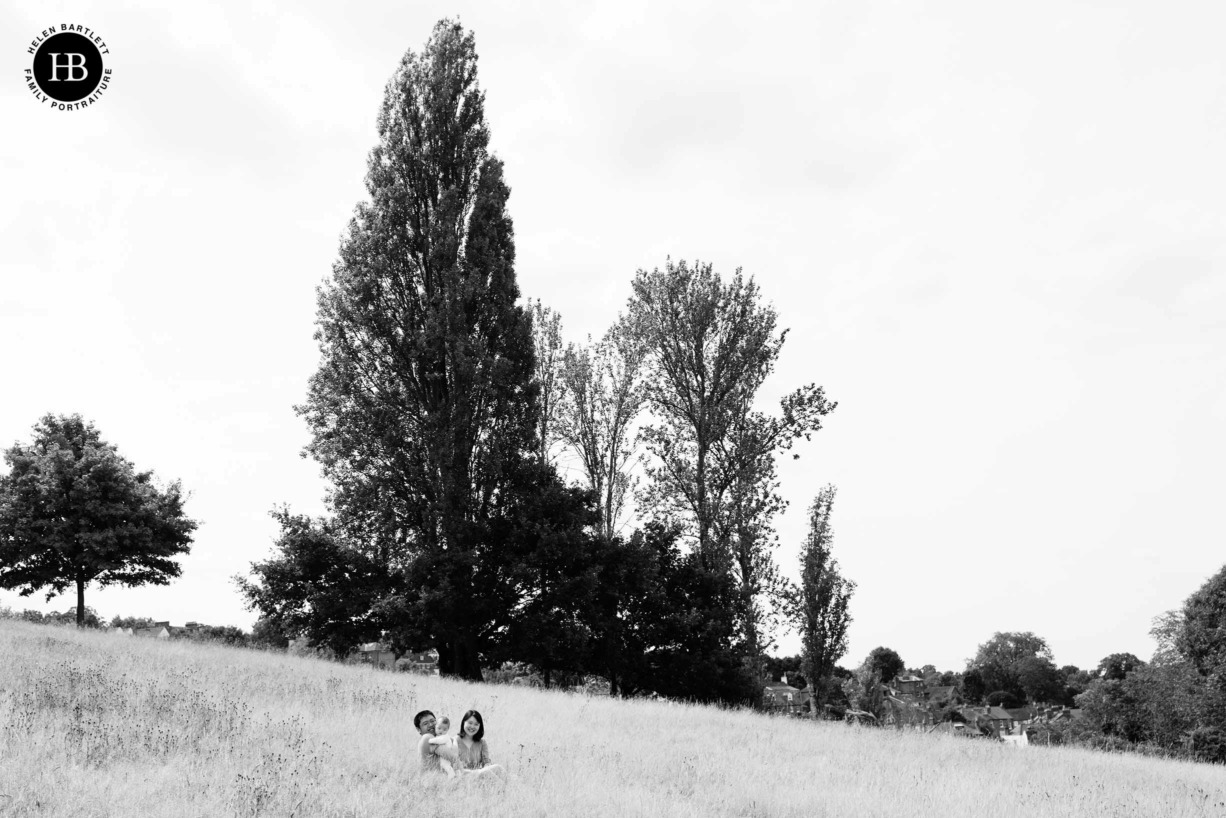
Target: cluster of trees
1010	670
438	414
1176	702
441	408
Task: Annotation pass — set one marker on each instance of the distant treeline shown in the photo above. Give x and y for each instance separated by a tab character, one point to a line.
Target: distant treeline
262	636
1172	705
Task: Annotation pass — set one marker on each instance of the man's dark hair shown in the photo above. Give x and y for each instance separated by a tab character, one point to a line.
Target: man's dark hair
480	724
417	719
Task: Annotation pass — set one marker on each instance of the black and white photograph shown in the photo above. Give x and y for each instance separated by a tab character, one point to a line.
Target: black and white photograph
613	409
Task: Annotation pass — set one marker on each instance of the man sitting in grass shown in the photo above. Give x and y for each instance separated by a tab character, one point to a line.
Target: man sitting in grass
427	751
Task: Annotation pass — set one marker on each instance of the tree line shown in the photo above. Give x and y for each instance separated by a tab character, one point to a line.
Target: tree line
1172	705
261	636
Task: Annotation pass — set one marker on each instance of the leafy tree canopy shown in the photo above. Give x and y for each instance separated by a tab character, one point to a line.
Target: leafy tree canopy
225	634
266	634
551	560
1202	637
1004	698
711	343
1003	649
663	622
1118	665
1039	680
318	585
73	512
885	662
778	666
68	617
972	686
999	661
132	622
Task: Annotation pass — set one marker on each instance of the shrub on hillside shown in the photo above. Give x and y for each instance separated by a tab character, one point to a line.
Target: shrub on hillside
513	673
1209	744
68	617
132	622
1046	734
1003	698
225	634
268	634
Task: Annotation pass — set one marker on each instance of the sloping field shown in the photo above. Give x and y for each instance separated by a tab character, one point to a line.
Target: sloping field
99	725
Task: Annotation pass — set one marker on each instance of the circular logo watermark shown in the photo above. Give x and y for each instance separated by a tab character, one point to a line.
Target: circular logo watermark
69	70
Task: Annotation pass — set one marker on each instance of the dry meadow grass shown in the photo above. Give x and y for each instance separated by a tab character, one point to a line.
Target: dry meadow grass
99	725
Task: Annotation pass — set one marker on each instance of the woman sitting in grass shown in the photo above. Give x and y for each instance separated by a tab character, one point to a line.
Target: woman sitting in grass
473	751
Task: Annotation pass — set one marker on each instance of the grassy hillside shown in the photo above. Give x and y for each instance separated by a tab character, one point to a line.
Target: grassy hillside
94	725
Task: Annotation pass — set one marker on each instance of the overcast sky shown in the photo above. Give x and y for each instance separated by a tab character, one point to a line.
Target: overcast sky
998	238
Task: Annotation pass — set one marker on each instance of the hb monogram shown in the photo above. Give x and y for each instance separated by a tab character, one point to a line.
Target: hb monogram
71	66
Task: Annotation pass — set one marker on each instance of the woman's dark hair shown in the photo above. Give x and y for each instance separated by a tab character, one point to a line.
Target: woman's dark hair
480	725
417	719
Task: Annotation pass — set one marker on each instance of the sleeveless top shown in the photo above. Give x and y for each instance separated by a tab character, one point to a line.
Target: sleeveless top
475	757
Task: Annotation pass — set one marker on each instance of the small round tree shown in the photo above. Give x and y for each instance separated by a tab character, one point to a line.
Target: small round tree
74	512
886	663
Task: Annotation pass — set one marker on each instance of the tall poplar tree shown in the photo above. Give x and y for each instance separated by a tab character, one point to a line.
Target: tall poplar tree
821	602
424	407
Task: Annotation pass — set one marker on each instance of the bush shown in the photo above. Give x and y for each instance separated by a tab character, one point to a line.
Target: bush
68	617
513	673
226	634
1209	744
830	712
1046	734
268	634
1003	698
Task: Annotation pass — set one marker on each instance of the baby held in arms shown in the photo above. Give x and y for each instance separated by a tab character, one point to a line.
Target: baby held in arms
446	750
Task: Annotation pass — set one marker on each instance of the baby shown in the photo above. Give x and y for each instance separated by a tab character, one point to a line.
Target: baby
447	751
